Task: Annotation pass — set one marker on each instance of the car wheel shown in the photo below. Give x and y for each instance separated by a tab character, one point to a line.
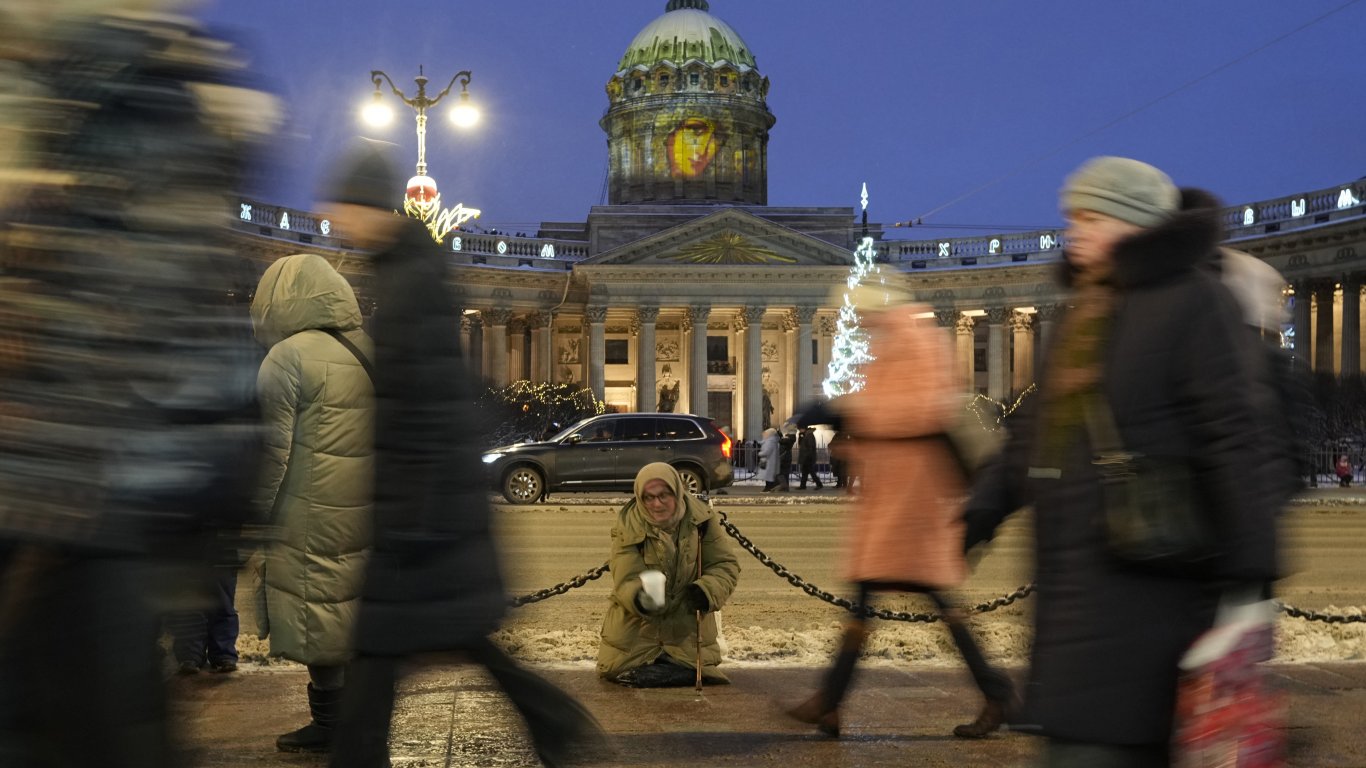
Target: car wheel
523	485
692	480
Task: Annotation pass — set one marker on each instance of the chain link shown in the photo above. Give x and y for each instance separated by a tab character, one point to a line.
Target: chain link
881	613
1312	615
559	589
849	605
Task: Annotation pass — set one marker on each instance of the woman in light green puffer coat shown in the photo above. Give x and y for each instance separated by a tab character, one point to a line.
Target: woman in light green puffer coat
317	402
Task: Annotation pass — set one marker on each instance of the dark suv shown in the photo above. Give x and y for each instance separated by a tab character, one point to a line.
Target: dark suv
605	453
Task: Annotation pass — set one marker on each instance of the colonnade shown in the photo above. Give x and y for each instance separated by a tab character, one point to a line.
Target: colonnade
746	366
1326	318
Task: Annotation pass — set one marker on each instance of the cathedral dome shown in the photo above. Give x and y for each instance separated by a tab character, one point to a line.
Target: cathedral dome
687	32
687	119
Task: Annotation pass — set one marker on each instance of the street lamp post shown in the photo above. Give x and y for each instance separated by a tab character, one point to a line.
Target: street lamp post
464	114
421	199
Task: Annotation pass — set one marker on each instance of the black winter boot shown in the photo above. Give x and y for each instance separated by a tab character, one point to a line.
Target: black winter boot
823	708
317	735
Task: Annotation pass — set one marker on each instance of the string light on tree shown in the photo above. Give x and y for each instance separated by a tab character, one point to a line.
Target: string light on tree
849	351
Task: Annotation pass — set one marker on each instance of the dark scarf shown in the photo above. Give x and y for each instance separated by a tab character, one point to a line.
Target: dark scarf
1077	365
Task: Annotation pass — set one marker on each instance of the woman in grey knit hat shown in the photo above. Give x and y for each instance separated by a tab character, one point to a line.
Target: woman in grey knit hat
1150	332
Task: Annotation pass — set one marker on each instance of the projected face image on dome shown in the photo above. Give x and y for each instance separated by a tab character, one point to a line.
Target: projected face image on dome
691	145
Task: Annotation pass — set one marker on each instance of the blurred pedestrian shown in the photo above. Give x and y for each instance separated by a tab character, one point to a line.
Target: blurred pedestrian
127	427
650	634
837	449
318	405
207	638
1152	336
1343	468
433	584
787	439
906	533
806	457
769	456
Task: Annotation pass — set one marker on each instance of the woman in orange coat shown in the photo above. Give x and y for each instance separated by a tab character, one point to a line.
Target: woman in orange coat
906	534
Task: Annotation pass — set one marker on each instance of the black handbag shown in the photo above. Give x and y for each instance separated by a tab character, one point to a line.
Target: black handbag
1153	515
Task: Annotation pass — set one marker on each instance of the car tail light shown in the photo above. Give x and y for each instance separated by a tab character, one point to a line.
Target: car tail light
725	444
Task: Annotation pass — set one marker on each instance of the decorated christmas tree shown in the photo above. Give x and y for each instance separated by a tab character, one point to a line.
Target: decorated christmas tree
849	351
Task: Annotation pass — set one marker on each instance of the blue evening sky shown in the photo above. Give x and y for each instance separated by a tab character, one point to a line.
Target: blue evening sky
960	112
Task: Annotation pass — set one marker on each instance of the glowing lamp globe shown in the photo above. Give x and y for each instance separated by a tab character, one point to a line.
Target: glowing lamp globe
421	189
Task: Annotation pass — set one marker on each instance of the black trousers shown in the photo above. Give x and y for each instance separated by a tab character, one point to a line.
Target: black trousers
553	718
994	684
209	635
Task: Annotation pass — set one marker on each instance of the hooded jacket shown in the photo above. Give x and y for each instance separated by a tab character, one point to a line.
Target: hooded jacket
317	403
631	638
1181	378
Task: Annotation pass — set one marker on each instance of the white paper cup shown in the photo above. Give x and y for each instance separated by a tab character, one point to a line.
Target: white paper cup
653	582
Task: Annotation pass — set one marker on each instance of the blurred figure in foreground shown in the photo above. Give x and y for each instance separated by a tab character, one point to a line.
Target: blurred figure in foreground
672	566
318	405
433	583
906	531
127	420
1152	336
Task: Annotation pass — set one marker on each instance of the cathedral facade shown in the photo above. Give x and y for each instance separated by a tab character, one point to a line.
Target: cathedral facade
688	293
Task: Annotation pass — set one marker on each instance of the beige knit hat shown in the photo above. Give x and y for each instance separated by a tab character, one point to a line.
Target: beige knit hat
1127	189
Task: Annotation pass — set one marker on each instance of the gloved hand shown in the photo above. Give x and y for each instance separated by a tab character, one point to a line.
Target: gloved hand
651	596
696	598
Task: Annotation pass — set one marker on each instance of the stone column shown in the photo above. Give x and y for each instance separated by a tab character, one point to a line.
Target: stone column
997	361
465	339
1303	324
477	367
1351	325
1323	330
519	350
1044	320
803	316
496	343
967	348
645	358
1021	326
749	321
697	366
597	348
540	346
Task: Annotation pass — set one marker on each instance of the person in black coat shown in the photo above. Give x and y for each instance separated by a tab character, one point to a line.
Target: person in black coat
433	582
786	439
1151	331
806	457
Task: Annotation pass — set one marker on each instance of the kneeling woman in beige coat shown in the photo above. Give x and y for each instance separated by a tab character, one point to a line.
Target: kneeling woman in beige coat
650	636
318	403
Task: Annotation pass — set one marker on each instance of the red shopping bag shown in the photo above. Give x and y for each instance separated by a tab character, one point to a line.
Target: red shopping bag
1226	715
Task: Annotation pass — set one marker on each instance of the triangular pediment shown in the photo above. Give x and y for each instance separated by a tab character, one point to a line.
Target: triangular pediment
728	238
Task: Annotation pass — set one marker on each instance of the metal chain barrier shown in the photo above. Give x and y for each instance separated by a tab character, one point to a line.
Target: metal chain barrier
559	589
849	605
881	613
1312	615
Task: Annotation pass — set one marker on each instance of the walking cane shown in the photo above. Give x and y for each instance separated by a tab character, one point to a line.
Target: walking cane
697	681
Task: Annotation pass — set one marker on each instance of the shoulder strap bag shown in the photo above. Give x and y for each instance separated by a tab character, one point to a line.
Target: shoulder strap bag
1153	515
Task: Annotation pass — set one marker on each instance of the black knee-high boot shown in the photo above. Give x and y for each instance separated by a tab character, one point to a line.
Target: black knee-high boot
822	709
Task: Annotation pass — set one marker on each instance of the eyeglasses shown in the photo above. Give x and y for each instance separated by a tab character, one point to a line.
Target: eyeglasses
650	498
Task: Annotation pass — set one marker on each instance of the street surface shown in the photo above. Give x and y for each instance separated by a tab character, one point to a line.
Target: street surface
904	703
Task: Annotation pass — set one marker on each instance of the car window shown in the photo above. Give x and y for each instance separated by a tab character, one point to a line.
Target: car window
678	429
636	429
597	432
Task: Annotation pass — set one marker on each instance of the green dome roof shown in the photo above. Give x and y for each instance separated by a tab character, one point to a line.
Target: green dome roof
686	31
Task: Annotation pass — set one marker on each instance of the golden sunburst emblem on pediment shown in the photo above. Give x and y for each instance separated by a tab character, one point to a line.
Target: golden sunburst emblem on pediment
728	248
